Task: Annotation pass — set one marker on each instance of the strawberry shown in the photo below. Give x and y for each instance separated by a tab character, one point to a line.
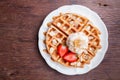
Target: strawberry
70	57
62	50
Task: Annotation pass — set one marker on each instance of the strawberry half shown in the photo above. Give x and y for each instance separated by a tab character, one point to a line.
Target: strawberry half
70	57
62	50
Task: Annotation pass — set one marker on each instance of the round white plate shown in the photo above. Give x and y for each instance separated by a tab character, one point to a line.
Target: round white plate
92	16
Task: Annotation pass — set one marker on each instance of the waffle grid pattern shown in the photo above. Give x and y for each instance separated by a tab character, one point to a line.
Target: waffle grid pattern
61	27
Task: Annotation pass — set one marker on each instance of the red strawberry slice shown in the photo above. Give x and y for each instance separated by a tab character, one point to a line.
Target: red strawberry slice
70	57
62	50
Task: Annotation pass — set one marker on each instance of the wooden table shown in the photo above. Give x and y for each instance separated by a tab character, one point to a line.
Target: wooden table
20	58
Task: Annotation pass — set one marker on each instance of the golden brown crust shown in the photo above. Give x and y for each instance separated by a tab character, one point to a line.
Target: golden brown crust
61	27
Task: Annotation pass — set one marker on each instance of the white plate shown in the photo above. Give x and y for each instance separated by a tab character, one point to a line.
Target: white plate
92	16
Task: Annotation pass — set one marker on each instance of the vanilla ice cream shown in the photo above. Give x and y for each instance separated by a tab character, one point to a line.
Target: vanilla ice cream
77	42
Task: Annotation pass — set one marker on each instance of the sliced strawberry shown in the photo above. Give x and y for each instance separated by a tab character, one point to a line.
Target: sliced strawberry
62	50
70	57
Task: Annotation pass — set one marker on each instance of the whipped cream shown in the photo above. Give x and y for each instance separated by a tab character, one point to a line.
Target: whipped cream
77	42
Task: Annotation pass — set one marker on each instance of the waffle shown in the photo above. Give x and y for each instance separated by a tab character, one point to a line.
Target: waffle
69	23
61	27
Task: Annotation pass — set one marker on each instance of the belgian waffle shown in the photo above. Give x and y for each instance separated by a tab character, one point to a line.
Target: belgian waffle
61	27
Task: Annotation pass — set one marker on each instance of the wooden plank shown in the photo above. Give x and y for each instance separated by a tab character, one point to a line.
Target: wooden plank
20	58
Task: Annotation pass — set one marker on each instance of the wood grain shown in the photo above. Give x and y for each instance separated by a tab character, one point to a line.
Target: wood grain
20	58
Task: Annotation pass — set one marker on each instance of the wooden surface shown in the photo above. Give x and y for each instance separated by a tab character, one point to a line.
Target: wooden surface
20	58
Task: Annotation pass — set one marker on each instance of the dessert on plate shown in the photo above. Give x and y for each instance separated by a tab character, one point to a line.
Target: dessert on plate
72	40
